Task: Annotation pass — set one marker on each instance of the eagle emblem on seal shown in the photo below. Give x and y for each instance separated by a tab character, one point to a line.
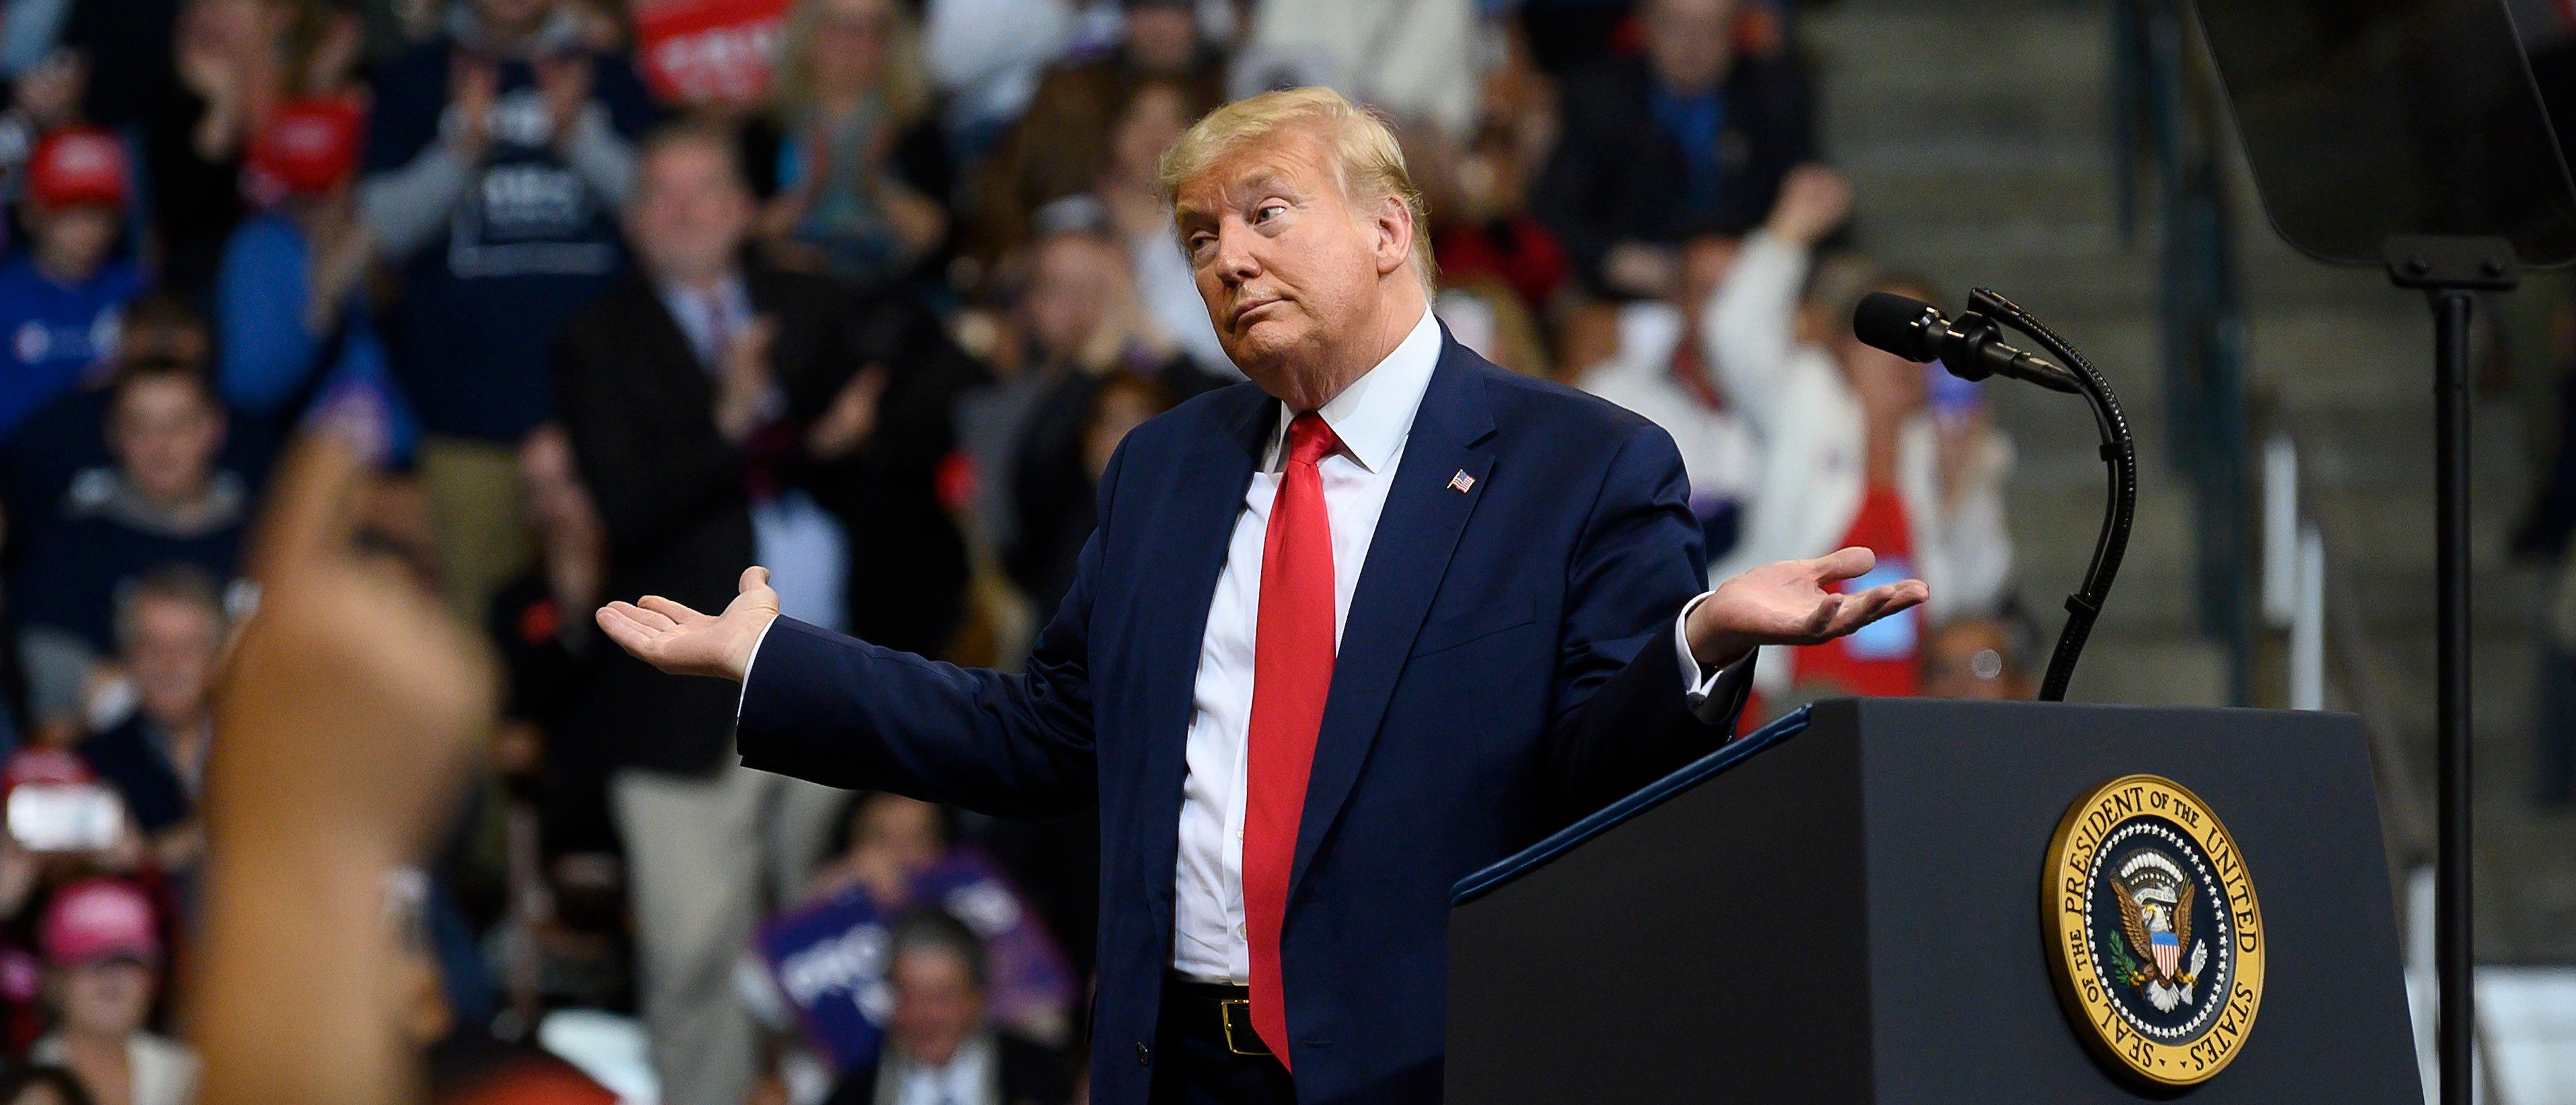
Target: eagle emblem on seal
2155	919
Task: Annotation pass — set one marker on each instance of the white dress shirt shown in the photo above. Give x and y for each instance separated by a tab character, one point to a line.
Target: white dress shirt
1373	417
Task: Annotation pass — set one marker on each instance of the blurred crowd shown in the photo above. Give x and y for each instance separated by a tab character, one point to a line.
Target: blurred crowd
862	290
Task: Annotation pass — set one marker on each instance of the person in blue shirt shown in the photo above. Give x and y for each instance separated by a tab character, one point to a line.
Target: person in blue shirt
289	307
60	302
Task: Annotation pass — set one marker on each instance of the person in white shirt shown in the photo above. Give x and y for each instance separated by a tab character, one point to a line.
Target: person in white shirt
1842	427
1661	370
1360	626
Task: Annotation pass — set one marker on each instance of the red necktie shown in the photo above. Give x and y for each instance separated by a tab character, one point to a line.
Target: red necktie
1292	671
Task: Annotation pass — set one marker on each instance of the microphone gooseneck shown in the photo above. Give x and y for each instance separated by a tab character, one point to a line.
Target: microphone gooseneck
1972	348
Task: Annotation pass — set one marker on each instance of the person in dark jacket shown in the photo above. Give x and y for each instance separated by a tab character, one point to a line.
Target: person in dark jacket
164	500
713	407
1692	137
940	1044
497	158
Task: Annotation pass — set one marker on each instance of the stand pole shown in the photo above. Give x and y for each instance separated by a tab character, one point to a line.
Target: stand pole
2456	963
2449	270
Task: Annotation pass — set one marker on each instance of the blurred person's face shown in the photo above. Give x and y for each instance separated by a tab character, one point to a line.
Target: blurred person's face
165	432
1690	42
72	241
690	212
1292	272
1162	38
1705	263
233	24
936	1004
903	830
1889	386
513	16
170	648
848	49
1153	121
1969	660
1072	281
558	504
107	1000
1121	409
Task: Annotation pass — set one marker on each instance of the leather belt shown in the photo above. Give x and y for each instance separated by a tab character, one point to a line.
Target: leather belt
1218	1013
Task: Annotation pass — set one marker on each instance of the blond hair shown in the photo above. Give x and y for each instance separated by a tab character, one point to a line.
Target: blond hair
901	81
1367	160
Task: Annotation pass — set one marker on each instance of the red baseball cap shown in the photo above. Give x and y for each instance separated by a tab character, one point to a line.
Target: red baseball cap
100	919
79	165
309	147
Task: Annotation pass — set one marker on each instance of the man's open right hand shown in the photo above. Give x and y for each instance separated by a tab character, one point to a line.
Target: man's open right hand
682	641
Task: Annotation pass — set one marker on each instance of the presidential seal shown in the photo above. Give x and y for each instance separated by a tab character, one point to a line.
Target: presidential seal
2156	938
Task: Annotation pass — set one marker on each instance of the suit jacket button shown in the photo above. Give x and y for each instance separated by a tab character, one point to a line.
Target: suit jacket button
1144	1055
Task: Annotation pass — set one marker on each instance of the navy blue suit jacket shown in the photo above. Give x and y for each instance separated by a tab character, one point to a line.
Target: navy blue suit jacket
1507	665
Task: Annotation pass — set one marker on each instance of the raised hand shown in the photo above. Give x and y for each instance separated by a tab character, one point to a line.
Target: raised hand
1813	201
682	641
1785	603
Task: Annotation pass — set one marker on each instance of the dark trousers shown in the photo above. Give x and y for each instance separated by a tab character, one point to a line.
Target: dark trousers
1194	1066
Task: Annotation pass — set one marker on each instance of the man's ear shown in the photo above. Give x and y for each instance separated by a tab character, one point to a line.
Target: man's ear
1395	230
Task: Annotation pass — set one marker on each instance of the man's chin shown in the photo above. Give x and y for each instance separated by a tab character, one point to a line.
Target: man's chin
1265	345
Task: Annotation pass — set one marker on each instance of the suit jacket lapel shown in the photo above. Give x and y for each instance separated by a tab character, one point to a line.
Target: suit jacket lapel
1207	498
1407	558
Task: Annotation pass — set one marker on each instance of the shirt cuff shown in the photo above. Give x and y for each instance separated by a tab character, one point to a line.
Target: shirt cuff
747	665
1714	694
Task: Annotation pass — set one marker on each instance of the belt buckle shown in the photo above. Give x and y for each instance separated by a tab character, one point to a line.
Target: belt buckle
1225	1010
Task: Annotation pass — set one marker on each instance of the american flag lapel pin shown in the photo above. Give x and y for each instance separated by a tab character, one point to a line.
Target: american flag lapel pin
1462	482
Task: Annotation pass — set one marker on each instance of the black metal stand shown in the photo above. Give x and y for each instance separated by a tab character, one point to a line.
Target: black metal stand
2119	454
2450	271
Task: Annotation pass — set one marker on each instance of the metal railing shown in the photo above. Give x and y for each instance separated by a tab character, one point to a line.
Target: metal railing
2314	607
2169	130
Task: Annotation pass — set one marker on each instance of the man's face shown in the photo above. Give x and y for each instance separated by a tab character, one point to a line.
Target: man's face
106	999
1284	262
903	830
1073	283
936	1004
1688	42
73	240
165	431
170	648
1162	38
690	212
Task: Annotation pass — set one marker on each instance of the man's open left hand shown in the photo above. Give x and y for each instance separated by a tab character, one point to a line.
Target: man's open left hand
1786	603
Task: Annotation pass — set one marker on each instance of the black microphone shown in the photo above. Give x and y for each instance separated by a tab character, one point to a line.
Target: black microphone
1972	348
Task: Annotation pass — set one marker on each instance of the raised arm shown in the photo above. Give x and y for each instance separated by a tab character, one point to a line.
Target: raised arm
1749	327
836	710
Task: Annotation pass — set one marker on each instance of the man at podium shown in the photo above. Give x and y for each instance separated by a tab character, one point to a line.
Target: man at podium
1345	633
